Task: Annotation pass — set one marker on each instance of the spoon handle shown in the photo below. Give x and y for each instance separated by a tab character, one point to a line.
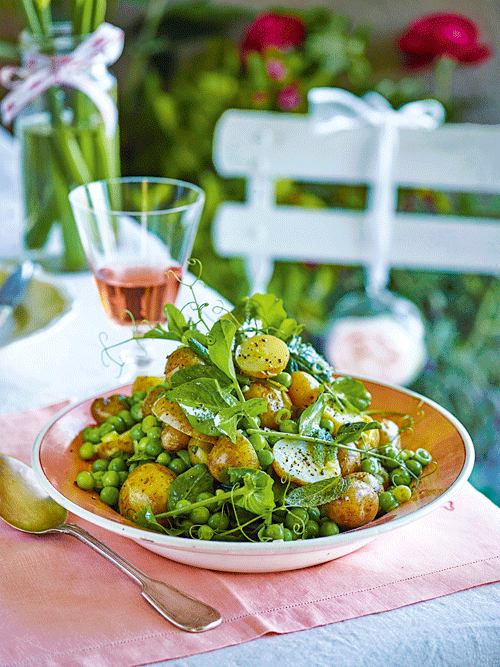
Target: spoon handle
182	610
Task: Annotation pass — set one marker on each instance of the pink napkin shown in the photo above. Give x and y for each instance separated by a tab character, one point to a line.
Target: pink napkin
62	605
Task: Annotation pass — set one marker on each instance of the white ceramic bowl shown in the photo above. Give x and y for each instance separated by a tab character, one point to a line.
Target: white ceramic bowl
56	464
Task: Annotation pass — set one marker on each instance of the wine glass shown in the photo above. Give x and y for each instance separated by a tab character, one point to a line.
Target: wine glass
137	234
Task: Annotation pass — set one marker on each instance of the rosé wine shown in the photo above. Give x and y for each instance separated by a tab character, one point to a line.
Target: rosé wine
141	291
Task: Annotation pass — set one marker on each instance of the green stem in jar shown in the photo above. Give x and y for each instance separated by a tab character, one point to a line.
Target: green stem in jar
74	255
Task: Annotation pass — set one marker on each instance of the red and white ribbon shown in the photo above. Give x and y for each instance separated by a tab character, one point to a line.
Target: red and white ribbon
104	47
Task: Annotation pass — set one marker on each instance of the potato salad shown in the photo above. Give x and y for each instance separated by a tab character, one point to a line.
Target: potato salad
249	435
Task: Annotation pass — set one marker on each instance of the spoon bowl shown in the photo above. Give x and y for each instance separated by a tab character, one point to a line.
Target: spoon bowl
25	506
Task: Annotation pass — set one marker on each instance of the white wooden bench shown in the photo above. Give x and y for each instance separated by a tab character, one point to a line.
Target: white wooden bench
264	147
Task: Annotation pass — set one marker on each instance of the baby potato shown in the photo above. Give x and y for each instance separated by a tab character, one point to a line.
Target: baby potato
112	443
144	382
182	357
349	461
276	399
304	389
173	440
147	484
262	356
102	408
226	454
369	479
389	433
171	413
150	400
356	507
198	451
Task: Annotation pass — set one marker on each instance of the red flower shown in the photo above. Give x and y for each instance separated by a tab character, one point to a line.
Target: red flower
438	35
273	31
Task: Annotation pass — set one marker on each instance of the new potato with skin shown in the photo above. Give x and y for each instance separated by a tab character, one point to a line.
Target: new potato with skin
262	356
147	485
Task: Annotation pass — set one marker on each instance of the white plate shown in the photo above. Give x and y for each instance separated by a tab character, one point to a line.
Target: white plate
56	463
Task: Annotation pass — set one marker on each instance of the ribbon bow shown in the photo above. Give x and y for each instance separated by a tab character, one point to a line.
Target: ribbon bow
334	109
104	47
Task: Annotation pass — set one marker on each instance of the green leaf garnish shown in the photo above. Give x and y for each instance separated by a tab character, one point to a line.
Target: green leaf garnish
317	493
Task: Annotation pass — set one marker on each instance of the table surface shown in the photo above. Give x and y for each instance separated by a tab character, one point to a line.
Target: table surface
64	361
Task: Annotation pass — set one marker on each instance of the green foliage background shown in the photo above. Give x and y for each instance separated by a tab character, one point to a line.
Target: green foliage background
191	73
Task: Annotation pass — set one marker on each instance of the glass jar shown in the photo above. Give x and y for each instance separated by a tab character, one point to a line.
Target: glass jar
63	144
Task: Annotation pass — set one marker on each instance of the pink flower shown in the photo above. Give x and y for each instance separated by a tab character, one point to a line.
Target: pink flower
289	98
273	31
438	35
276	69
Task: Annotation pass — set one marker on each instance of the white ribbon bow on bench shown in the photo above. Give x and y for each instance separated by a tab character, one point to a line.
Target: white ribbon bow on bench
333	110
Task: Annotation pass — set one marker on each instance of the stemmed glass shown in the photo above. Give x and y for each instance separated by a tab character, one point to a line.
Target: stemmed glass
138	235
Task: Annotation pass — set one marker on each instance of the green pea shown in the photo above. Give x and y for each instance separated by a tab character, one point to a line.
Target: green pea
154	432
406	454
109	495
164	458
288	426
177	465
312	529
387	501
296	519
414	467
284	378
265	457
105	428
87	451
94	435
116	423
117	464
258	441
328	528
122	474
110	478
138	396
98	485
183	504
287	535
218	521
127	418
371	465
184	455
314	513
199	515
400	476
149	421
186	525
85	433
422	456
85	480
136	432
402	493
153	447
204	495
274	532
136	412
99	465
205	532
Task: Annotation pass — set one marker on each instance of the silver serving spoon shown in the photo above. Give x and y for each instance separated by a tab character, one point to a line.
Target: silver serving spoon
26	507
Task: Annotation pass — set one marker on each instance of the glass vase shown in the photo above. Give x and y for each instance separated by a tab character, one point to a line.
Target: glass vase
63	144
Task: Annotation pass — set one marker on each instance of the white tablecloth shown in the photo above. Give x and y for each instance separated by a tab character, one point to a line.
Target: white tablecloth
459	630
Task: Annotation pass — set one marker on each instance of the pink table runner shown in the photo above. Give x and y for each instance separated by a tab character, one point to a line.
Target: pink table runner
62	605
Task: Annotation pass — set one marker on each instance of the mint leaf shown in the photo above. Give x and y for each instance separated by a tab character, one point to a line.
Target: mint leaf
220	346
351	393
351	432
189	484
317	493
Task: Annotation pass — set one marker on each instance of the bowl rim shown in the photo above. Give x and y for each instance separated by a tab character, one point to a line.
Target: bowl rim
364	533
